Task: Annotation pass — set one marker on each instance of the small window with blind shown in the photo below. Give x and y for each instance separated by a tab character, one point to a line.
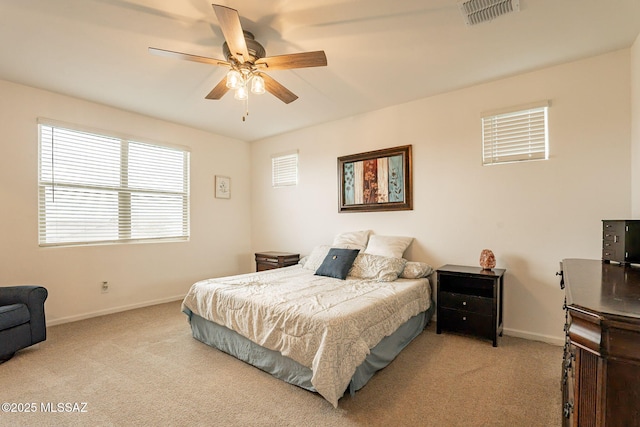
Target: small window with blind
284	169
514	135
97	188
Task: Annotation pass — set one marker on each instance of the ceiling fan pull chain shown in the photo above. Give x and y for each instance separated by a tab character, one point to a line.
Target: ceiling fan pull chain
246	109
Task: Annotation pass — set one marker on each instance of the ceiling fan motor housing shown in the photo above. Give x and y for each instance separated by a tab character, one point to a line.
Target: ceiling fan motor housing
256	50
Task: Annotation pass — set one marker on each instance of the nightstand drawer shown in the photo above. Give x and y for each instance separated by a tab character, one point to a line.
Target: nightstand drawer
471	303
271	260
262	266
466	322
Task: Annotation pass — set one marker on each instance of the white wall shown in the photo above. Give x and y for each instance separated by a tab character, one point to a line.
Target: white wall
532	215
139	274
635	127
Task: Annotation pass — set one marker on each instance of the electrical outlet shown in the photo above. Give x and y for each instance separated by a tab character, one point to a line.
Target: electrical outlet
105	287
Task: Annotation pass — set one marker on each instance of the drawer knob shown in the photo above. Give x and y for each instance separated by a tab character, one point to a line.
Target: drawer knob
464	317
464	303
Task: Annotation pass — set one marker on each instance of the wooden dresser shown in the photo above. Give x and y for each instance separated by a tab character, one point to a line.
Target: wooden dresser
601	366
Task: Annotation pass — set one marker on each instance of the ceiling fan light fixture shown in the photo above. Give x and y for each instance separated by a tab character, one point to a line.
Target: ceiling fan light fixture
242	93
234	79
257	85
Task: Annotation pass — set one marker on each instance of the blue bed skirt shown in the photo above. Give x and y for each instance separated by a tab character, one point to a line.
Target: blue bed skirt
287	369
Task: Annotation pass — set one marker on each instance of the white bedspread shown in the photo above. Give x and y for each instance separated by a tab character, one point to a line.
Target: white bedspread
325	324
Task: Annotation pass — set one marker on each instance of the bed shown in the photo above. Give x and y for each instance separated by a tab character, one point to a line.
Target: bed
325	334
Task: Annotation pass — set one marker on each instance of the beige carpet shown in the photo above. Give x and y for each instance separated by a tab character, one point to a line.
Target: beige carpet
142	367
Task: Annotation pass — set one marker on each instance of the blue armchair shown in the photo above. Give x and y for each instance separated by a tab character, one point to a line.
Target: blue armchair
22	321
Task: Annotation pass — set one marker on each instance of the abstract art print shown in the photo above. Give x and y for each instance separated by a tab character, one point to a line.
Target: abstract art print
378	180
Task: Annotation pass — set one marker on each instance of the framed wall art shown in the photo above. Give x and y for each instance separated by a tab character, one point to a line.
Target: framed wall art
378	180
223	187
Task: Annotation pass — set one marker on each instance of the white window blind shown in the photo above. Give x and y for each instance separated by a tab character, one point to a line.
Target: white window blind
513	136
98	189
284	169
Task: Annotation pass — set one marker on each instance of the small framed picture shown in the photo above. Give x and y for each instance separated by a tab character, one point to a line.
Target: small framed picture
223	187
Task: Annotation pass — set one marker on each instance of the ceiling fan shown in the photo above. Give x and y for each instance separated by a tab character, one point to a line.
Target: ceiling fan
246	60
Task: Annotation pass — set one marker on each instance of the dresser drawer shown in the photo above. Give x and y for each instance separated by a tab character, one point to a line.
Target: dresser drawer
466	322
611	232
609	254
615	227
470	303
612	246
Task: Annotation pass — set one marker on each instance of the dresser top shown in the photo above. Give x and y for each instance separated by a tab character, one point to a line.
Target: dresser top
602	287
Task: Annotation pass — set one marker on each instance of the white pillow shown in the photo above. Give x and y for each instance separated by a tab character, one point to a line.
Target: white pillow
416	270
315	258
391	246
376	267
352	240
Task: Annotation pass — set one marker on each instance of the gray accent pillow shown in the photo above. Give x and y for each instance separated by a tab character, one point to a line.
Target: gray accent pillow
337	263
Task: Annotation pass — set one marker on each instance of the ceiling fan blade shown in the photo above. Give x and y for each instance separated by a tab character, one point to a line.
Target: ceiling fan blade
294	60
277	90
188	57
232	30
218	91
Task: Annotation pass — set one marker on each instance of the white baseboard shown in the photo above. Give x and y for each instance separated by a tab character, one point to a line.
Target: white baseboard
112	310
526	335
534	337
506	331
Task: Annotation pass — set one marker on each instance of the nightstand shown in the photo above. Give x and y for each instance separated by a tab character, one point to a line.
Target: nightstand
271	260
470	301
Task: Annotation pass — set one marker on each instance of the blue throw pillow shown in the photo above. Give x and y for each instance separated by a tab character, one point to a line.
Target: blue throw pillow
337	263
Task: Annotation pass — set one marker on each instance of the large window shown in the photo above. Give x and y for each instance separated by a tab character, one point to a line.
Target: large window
98	189
515	135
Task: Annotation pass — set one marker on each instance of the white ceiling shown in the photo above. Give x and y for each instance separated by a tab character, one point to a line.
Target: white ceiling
379	52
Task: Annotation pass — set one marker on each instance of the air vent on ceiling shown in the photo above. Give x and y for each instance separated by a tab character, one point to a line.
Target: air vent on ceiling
477	11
